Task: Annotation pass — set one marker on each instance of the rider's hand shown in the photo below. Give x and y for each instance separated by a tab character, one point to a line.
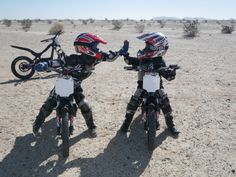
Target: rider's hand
112	55
42	66
171	72
124	50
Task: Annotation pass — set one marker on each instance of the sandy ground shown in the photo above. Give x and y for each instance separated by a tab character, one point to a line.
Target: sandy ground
203	97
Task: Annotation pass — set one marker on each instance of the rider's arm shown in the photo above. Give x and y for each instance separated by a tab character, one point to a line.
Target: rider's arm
111	56
168	73
131	60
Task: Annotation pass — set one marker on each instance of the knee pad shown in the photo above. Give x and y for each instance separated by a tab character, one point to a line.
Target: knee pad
84	106
133	104
49	105
138	94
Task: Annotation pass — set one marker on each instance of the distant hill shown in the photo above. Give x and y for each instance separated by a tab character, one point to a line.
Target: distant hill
165	18
185	18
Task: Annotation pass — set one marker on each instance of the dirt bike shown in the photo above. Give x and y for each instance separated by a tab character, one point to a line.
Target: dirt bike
22	66
151	101
66	108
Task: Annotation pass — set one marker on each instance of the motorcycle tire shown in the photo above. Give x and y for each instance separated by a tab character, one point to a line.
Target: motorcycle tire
19	67
65	134
151	128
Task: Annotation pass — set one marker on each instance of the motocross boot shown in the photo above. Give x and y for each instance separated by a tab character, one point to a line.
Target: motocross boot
88	116
44	112
170	124
125	126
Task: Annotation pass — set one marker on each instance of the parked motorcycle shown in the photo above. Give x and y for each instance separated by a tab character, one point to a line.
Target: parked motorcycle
23	67
151	100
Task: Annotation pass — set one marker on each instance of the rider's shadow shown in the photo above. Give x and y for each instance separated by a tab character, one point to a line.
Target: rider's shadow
124	156
20	81
29	156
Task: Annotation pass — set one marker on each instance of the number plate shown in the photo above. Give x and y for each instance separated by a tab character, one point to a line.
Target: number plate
64	86
151	82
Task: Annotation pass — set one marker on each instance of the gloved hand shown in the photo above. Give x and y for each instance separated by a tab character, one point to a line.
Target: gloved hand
112	55
171	72
124	50
42	66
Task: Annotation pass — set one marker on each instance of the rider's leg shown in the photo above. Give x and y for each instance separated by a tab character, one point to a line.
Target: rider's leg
45	111
132	106
167	111
86	111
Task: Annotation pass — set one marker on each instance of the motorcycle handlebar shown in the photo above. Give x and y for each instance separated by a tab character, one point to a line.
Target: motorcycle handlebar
175	67
62	70
53	38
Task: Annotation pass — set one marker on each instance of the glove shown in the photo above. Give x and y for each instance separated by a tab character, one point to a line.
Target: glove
42	66
171	72
112	55
124	50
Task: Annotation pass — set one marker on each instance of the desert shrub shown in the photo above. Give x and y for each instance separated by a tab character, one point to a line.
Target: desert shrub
73	23
117	24
139	27
190	28
7	22
85	22
142	20
26	24
218	22
91	20
57	27
226	29
49	22
149	24
162	23
37	20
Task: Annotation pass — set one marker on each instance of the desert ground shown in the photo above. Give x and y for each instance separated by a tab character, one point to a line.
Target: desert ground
203	97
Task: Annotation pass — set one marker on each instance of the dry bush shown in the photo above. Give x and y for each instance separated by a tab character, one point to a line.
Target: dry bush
219	22
139	27
57	27
162	23
117	24
26	24
149	24
226	29
7	22
91	20
190	28
49	22
37	20
85	22
73	23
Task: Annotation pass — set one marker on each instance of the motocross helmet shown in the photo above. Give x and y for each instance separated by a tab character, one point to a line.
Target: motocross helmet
86	43
156	44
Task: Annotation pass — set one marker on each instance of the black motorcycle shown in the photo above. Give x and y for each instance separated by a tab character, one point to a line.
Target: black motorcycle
23	66
151	100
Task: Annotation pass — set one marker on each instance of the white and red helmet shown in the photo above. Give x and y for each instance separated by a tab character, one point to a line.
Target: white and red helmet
86	43
156	45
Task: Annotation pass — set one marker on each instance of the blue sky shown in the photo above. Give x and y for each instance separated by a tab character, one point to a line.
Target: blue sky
116	9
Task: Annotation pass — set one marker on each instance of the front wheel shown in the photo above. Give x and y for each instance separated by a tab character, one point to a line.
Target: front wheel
65	134
21	68
151	128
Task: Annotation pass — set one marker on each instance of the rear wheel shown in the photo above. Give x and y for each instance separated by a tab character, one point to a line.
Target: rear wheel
21	68
65	134
151	128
